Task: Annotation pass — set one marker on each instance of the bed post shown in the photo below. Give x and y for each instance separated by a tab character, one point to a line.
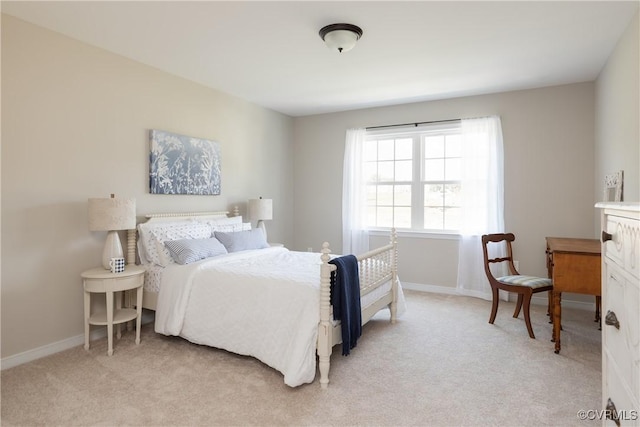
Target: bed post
325	328
131	246
393	308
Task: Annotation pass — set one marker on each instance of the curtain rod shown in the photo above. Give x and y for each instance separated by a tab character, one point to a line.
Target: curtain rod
414	124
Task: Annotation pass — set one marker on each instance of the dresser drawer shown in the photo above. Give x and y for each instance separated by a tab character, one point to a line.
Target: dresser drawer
614	391
621	328
624	246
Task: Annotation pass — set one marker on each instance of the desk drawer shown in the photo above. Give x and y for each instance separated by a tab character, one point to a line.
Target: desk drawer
624	246
622	300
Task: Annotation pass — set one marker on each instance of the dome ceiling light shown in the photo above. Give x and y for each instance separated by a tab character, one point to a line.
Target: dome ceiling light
342	37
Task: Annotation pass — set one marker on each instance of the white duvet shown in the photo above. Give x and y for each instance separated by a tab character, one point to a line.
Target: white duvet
262	303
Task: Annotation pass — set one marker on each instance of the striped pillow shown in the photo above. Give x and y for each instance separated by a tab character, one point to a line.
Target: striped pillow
185	251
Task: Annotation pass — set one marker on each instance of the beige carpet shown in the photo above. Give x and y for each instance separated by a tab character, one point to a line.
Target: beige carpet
442	364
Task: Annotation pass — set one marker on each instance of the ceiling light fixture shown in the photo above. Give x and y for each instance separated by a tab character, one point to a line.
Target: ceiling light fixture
340	36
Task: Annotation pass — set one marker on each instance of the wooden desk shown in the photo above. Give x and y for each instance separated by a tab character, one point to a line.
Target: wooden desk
574	266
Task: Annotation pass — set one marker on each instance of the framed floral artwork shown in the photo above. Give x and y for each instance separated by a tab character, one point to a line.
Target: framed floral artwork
180	164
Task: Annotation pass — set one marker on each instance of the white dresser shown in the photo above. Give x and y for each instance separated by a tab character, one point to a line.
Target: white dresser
621	311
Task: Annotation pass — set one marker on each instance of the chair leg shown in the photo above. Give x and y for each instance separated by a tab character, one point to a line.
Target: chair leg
598	302
516	313
527	319
494	305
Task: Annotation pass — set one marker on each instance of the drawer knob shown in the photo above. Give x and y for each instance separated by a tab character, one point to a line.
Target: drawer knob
611	412
606	236
611	319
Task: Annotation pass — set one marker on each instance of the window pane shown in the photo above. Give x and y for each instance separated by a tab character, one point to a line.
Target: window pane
454	146
434	147
371	194
385	195
433	218
390	169
371	150
385	171
402	217
452	195
370	171
385	217
452	169
402	195
385	149
452	219
433	195
404	148
434	170
371	216
404	170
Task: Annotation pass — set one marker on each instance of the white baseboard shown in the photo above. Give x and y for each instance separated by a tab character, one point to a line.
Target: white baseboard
538	300
429	288
56	347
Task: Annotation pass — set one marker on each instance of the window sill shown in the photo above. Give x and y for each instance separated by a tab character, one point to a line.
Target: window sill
416	234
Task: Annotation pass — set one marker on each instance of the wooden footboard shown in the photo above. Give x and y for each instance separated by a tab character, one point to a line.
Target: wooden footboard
376	268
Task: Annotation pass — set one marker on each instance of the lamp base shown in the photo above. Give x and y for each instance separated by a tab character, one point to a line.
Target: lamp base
112	249
261	226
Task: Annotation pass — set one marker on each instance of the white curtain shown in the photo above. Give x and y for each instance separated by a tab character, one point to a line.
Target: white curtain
355	236
482	200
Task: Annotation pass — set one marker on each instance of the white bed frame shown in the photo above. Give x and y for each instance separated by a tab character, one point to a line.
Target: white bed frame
376	268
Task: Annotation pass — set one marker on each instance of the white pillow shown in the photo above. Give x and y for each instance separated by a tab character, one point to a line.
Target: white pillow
146	241
230	228
186	251
223	222
242	240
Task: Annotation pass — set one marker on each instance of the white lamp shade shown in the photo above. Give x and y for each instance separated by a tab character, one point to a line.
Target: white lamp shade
112	214
260	209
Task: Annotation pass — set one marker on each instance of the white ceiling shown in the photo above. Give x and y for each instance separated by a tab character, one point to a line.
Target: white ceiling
270	53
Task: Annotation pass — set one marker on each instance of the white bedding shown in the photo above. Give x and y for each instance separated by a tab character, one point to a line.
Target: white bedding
153	277
262	303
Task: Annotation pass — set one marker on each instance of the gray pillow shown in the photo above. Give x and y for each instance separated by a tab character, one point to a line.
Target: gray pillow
185	251
242	240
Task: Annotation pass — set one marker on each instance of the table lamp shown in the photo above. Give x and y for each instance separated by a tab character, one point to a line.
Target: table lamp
261	210
112	215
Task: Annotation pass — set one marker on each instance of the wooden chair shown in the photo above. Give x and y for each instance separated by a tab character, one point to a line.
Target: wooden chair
524	286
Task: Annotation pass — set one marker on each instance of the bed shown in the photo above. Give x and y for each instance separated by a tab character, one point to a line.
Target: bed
262	301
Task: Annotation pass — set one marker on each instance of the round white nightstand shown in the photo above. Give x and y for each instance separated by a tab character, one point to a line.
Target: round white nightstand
99	280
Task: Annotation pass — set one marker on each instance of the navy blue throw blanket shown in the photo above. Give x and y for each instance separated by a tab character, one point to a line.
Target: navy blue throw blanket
345	298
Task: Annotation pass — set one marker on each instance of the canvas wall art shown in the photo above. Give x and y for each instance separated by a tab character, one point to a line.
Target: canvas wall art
182	164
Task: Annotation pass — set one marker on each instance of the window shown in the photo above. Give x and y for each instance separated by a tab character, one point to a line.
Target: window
413	178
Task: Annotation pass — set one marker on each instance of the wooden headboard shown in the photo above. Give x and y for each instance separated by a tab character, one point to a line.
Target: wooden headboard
132	235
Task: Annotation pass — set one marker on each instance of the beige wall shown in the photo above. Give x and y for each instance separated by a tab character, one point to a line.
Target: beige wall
549	157
75	122
617	129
